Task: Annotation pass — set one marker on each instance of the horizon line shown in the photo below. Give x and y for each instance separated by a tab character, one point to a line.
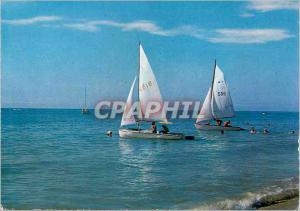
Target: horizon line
295	111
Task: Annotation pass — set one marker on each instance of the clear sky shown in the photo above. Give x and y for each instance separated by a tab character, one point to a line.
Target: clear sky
51	50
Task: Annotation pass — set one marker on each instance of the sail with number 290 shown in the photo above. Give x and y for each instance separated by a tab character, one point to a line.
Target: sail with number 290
218	103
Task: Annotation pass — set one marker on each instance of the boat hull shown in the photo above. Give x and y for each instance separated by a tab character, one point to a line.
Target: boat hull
147	134
217	128
85	111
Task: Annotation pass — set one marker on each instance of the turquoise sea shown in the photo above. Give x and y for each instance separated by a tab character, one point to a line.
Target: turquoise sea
61	159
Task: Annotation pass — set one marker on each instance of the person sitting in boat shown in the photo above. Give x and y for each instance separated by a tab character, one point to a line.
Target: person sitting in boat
153	127
227	124
165	129
219	122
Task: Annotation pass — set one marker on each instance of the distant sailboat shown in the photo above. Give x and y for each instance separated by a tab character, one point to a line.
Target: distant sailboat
148	91
217	104
85	110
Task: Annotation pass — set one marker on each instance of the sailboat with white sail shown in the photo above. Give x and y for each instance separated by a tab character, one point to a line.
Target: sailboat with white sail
217	104
148	91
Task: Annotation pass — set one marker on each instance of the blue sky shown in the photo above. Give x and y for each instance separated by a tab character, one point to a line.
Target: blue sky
51	50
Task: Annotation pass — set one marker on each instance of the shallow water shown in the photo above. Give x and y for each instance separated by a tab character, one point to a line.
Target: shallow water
62	159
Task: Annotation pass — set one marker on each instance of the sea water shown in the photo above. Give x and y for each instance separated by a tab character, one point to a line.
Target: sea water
61	159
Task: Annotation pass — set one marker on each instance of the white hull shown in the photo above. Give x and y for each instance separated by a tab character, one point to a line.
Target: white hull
85	111
217	128
135	133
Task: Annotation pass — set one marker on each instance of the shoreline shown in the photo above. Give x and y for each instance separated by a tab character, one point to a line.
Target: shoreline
289	204
284	199
287	200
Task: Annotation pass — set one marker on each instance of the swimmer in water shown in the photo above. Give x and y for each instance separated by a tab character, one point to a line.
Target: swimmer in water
109	133
266	131
253	130
292	132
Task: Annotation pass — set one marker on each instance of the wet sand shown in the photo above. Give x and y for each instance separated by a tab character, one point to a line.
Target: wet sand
287	200
290	204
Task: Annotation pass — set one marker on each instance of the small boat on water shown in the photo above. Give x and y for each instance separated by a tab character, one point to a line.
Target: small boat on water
139	133
217	104
85	110
148	91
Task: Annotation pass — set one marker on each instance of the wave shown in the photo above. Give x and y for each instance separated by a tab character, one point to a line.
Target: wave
283	190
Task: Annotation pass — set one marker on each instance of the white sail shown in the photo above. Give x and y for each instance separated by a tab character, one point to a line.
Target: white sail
149	90
221	101
205	113
128	118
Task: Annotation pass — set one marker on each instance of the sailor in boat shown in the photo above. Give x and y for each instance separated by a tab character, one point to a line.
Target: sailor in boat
164	130
227	124
219	122
153	127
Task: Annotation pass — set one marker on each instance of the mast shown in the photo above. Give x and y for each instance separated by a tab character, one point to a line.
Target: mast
138	83
213	80
85	97
138	74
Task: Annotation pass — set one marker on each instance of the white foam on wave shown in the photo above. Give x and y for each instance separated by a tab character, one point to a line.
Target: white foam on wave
285	188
